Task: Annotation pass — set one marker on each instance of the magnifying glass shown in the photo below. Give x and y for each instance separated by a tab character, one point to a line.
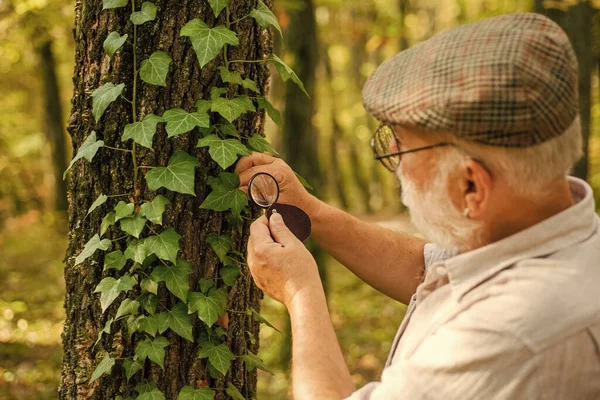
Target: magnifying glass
263	190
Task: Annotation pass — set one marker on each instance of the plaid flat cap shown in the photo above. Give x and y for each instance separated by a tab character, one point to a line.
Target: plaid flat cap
508	81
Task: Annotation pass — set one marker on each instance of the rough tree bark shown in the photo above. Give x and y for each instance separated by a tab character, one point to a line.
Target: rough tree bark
110	173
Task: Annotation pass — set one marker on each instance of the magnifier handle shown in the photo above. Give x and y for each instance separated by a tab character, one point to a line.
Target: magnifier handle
295	219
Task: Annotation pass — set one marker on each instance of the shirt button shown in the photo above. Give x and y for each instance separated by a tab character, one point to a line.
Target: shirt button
441	270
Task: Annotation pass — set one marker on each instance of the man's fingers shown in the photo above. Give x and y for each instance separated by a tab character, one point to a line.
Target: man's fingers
253	159
259	232
280	232
246	175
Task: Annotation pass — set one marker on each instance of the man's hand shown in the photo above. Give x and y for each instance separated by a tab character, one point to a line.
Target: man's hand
279	262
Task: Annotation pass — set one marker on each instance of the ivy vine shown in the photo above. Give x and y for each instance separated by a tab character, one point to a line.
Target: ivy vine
151	256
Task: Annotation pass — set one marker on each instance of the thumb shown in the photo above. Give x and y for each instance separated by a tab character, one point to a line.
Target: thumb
280	231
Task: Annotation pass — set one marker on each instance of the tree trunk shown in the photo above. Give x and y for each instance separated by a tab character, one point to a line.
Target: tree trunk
577	22
55	131
110	173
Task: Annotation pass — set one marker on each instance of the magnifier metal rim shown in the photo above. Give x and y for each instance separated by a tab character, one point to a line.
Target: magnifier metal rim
250	188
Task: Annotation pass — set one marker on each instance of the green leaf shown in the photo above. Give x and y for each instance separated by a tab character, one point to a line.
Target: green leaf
230	109
123	210
285	72
154	70
250	84
205	285
220	244
149	301
259	318
229	274
225	181
165	245
153	349
142	132
115	260
265	17
154	209
149	286
303	182
90	248
230	77
133	324
218	355
147	13
223	151
216	92
103	96
203	106
208	42
258	143
177	176
149	391
253	361
228	129
271	111
149	324
133	225
127	307
223	200
131	367
87	150
104	367
175	277
137	251
209	307
178	320
110	288
107	221
180	121
189	393
233	392
97	203
218	6
113	42
104	330
106	4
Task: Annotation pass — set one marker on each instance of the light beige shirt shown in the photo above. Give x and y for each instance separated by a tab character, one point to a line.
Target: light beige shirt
517	319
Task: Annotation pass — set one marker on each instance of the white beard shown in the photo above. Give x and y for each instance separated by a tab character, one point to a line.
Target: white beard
434	215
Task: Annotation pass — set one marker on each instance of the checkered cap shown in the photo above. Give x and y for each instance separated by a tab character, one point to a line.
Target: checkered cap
507	81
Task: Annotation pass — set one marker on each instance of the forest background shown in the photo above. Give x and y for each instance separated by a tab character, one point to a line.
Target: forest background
333	45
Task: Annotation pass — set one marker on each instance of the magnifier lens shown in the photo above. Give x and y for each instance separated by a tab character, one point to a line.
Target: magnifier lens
264	190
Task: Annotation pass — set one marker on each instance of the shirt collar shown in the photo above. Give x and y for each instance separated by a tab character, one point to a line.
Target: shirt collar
571	226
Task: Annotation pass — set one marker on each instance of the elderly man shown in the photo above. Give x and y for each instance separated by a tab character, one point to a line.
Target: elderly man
480	124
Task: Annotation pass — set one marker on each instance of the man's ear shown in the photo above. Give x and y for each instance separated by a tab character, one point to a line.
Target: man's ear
477	188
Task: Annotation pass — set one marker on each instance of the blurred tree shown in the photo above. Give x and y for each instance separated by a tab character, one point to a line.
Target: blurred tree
576	20
111	173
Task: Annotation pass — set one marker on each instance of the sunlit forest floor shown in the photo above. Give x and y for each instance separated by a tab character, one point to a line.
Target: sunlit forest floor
31	313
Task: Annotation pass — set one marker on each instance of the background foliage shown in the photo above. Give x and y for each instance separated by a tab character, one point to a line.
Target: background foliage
353	37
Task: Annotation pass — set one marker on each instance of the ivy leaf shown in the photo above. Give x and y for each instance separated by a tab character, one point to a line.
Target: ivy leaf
178	320
220	244
218	6
154	70
90	248
230	109
131	367
147	13
113	42
115	260
149	391
104	330
259	318
165	245
228	129
104	367
209	307
133	225
258	143
175	277
225	194
203	106
265	17
110	288
235	78
189	393
137	251
149	324
225	181
229	274
123	210
97	203
271	111
304	182
216	92
107	221
153	349
218	355
142	132
149	286
103	96
177	176
285	72
180	121
208	42
87	150
205	285
106	4
233	392
154	209
253	361
127	307
223	151
149	301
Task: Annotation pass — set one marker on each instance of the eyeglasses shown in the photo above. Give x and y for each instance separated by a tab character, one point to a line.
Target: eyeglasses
386	147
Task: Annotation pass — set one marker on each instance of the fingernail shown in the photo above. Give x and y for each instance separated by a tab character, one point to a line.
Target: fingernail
276	218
